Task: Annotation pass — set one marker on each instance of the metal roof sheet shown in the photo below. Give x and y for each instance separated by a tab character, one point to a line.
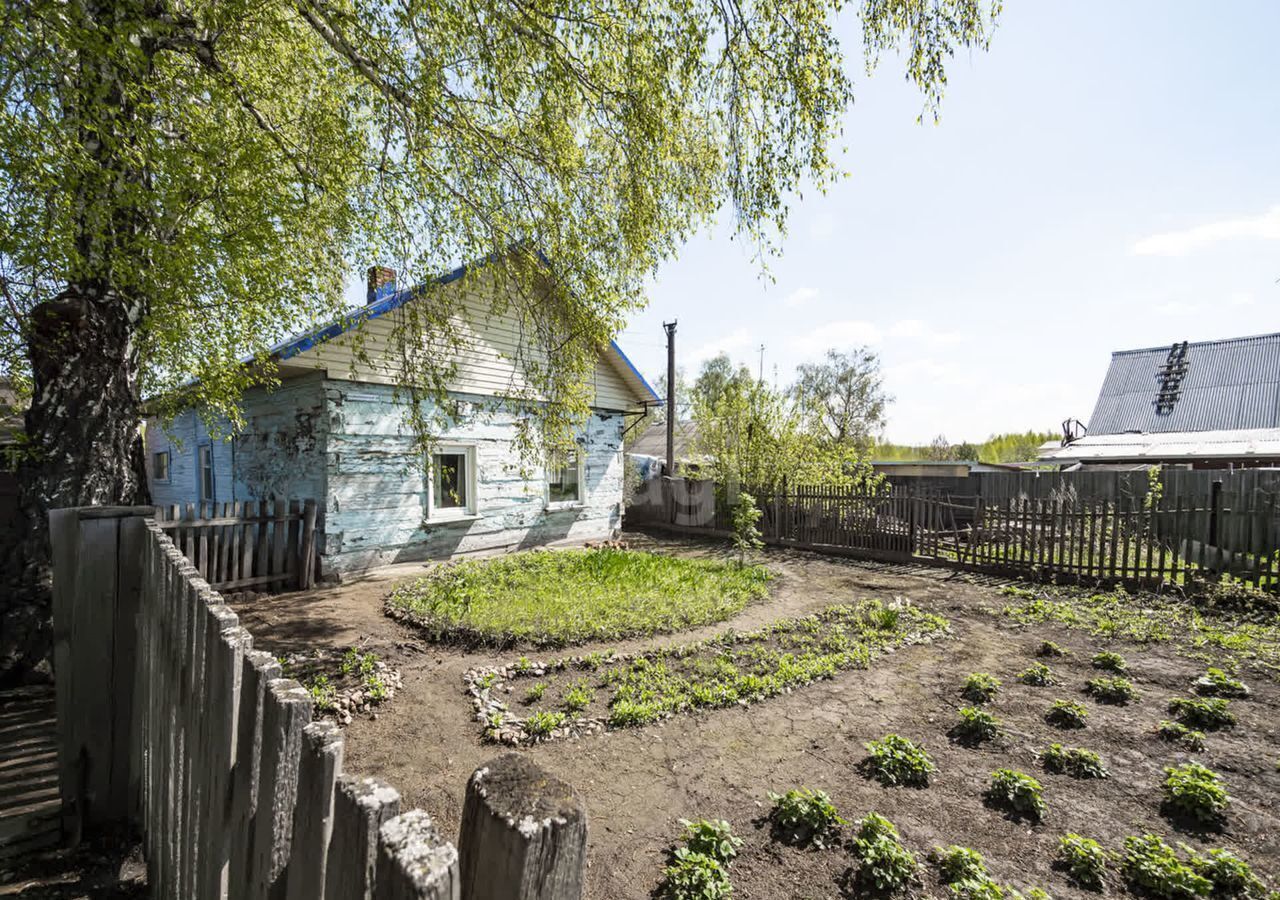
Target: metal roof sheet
1220	444
1229	384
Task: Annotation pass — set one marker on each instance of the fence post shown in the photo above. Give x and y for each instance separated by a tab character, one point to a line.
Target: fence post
360	807
414	861
1215	510
97	577
523	835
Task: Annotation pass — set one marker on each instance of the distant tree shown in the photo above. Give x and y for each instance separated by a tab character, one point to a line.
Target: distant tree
746	536
1014	447
843	397
752	435
939	449
714	378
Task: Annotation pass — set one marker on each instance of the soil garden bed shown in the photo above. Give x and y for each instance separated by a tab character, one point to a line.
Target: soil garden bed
849	744
343	684
586	694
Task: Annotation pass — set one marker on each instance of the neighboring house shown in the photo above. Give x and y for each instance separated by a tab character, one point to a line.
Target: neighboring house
649	449
334	430
1205	405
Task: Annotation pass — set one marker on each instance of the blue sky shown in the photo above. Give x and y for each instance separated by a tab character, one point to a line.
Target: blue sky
1106	177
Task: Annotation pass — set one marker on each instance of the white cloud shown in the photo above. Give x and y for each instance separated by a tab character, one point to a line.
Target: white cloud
1177	308
1241	298
839	335
799	297
738	339
1264	226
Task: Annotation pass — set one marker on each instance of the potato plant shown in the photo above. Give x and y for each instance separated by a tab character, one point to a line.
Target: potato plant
1051	650
695	876
884	865
1217	683
1177	733
980	687
805	816
1153	867
1211	714
711	837
975	726
1038	675
1018	793
1110	662
1195	792
1110	689
1083	860
1067	714
895	760
1074	761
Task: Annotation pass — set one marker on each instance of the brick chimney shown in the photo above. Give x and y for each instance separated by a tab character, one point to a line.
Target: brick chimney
382	283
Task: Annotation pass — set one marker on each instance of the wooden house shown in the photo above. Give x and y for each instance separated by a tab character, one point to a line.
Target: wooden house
335	430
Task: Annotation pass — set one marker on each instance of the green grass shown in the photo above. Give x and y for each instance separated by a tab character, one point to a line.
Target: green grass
1210	634
554	598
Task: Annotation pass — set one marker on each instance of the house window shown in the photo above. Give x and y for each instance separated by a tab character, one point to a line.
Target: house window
564	478
160	466
204	470
452	484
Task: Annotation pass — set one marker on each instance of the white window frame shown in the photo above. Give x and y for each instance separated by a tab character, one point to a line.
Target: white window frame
462	513
201	449
168	466
581	501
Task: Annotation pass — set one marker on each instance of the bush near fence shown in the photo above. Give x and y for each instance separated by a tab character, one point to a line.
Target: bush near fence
171	724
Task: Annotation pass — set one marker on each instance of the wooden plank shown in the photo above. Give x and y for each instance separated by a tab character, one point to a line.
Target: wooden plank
318	770
416	863
286	712
292	564
260	668
360	808
307	580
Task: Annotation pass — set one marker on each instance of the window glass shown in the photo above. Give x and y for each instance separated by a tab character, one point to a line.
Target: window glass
206	473
160	466
562	478
449	474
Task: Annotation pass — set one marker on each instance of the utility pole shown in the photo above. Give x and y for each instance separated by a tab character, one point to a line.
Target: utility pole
671	396
761	376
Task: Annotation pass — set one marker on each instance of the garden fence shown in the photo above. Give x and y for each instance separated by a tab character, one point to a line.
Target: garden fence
256	544
1156	539
172	725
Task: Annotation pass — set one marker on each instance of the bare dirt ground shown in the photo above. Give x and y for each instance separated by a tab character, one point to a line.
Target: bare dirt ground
637	783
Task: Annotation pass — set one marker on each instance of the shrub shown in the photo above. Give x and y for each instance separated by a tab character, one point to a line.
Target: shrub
577	698
1111	689
976	725
805	815
1231	875
1217	683
1084	861
980	687
1176	732
543	723
535	692
883	863
895	760
1018	793
1051	650
1110	662
1211	714
1193	791
1067	714
1074	761
1151	865
1037	674
695	876
713	838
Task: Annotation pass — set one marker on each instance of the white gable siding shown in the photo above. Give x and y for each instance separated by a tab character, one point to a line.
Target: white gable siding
487	366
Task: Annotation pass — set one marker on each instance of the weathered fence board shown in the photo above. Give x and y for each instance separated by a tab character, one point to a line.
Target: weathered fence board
1157	538
171	723
263	545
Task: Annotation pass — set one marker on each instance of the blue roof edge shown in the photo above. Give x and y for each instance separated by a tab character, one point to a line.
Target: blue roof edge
302	343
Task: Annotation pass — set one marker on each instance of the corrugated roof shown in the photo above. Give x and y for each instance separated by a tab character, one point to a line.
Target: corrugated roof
1183	445
1229	384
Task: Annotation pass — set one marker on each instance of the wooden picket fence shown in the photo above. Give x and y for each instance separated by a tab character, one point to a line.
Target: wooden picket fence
1165	540
255	544
172	725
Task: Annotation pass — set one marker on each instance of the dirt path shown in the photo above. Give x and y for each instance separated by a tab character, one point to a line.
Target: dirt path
720	764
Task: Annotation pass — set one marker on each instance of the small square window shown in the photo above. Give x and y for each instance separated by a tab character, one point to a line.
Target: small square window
564	478
204	468
451	492
160	466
